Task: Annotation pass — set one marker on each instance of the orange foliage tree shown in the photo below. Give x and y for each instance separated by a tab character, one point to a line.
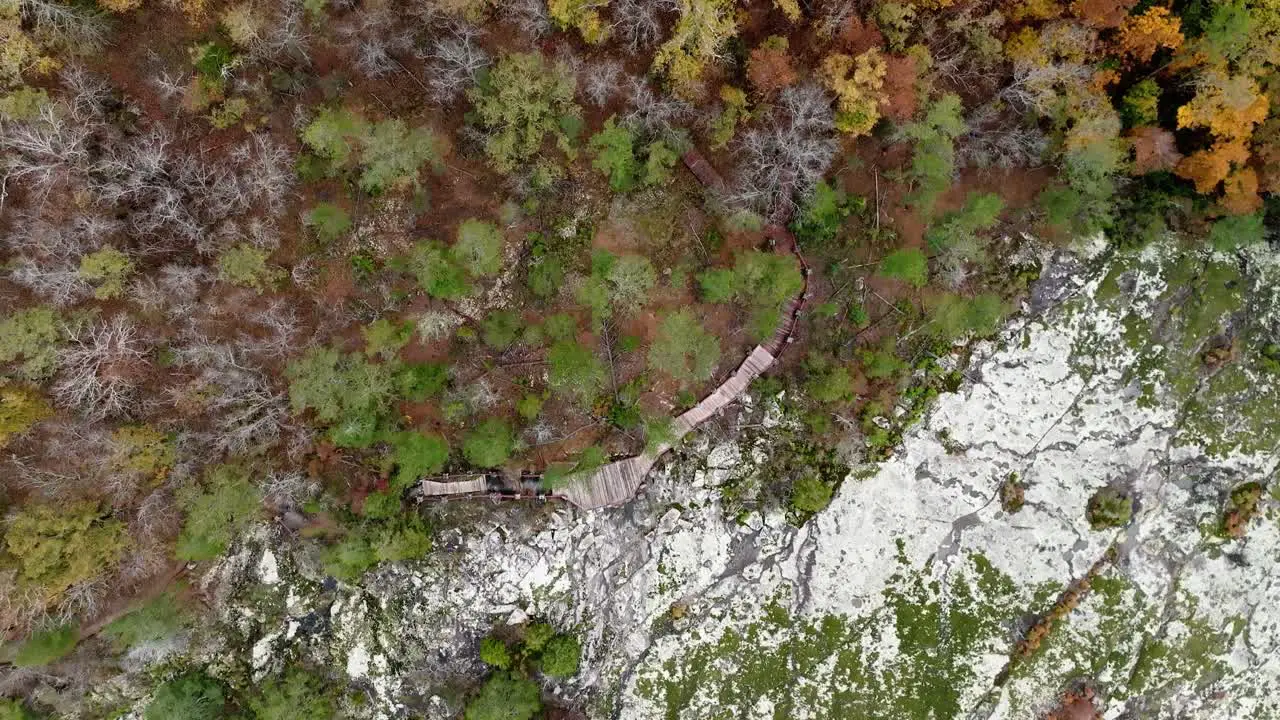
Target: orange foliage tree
1141	35
1103	13
769	67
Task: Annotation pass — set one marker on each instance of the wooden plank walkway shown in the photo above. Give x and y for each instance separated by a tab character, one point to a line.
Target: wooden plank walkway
619	481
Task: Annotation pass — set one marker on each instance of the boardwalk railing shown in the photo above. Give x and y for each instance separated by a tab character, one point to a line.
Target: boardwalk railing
619	481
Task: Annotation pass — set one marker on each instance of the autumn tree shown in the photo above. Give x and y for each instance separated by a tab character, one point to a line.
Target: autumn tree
1142	35
1154	149
769	67
857	83
698	38
1103	13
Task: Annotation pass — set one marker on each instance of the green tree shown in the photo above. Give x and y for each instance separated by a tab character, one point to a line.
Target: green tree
217	510
108	269
328	221
684	349
20	409
575	370
437	272
660	159
953	316
479	247
14	709
246	266
933	159
489	444
505	697
383	338
718	285
501	328
418	381
615	155
1141	104
823	215
560	656
521	101
392	154
417	455
1109	508
190	696
345	391
828	381
334	135
47	646
31	338
908	265
58	546
630	278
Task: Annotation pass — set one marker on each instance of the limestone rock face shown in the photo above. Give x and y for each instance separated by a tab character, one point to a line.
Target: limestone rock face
915	593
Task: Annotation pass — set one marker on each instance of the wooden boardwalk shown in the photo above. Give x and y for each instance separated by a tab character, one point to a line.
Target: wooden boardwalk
619	481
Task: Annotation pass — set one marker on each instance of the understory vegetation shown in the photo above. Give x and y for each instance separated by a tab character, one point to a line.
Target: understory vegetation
278	261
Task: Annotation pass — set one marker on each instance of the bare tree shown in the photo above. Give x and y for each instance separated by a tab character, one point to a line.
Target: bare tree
600	81
100	369
58	282
638	23
788	154
455	59
652	113
529	15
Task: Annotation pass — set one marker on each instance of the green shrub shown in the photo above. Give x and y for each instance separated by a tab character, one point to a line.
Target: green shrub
192	696
505	697
352	556
575	370
529	407
545	276
684	349
718	285
246	265
489	444
810	495
560	656
416	455
501	328
658	431
908	265
14	709
47	646
561	326
328	221
108	269
614	148
1109	508
437	272
980	212
296	694
952	316
519	102
1227	234
881	363
536	636
217	510
479	247
406	538
495	653
828	381
159	618
418	381
823	215
31	338
57	546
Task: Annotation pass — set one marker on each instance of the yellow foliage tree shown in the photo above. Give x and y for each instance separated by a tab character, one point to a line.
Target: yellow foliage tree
790	8
1141	35
583	15
1228	105
1240	192
857	83
699	34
